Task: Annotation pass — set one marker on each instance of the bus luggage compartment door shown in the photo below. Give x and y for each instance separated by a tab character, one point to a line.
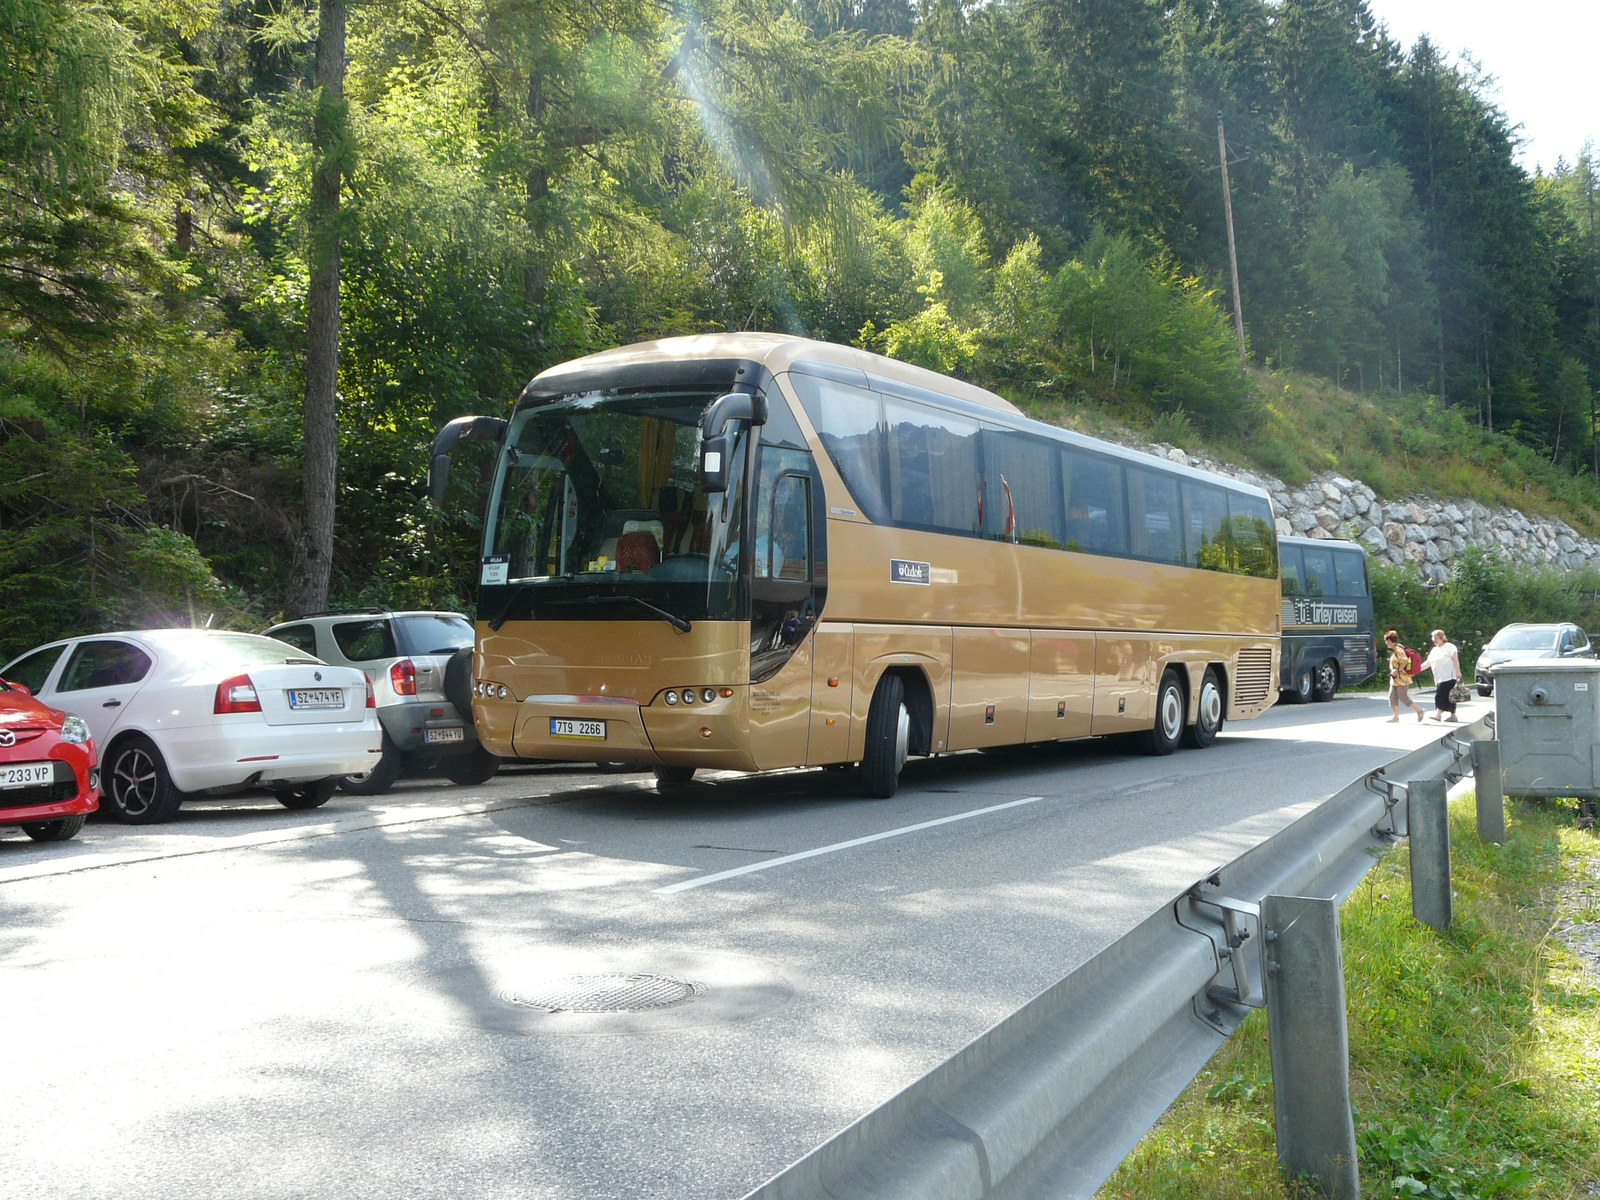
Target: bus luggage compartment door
1061	687
989	688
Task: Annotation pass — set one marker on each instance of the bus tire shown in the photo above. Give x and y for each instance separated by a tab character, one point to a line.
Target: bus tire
888	739
1325	681
1209	713
671	778
1162	737
1303	683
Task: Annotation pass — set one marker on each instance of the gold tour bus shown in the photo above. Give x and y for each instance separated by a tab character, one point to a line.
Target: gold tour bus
753	551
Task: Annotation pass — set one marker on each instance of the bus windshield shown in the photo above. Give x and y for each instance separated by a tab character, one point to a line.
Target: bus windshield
598	498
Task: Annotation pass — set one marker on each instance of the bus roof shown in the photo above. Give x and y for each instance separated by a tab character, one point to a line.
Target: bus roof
630	366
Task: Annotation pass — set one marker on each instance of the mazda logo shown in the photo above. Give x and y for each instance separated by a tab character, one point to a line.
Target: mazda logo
7	738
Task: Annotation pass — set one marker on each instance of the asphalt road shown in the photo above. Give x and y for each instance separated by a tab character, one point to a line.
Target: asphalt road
260	1004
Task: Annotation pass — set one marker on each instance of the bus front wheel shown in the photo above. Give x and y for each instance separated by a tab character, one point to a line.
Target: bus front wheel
1162	737
888	739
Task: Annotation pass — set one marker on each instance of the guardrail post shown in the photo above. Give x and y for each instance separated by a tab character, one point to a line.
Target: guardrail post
1491	789
1428	821
1310	1043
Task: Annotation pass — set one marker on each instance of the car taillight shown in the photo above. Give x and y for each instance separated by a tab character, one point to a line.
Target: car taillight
372	699
404	677
236	695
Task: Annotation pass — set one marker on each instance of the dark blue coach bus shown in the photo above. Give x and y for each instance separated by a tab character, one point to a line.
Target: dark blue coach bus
1328	635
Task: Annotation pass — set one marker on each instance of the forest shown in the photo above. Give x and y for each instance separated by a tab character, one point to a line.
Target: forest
254	252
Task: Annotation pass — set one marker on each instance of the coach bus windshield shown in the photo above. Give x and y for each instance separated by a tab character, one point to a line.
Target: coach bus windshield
598	505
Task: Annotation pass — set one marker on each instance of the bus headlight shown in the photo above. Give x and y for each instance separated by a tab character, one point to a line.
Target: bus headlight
671	697
708	695
688	695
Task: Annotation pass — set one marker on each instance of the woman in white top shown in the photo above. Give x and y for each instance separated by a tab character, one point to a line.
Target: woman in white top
1445	664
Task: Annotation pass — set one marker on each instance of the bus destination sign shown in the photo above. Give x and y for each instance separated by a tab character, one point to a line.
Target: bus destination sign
1319	612
903	570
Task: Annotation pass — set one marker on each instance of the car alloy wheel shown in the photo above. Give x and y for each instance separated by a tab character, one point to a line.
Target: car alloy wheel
135	782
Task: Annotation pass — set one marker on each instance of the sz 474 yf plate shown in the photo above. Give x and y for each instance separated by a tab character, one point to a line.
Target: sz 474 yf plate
316	698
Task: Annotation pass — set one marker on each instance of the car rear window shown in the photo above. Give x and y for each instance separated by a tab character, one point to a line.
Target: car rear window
364	641
430	634
243	650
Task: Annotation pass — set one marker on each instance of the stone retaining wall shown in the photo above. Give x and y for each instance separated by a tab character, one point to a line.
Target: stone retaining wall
1421	530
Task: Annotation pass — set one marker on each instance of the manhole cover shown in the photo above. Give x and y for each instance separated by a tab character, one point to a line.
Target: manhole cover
606	993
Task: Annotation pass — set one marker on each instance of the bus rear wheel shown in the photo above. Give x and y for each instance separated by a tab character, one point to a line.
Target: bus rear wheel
670	778
1303	684
1162	738
1325	683
1209	713
888	739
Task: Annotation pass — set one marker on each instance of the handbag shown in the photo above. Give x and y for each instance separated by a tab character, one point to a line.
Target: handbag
1459	694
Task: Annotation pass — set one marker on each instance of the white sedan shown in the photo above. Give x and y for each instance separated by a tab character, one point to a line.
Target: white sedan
178	712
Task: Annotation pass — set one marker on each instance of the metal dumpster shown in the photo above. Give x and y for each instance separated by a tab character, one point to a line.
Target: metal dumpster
1547	721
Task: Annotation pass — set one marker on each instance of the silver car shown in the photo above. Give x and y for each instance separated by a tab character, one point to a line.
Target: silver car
1521	641
405	655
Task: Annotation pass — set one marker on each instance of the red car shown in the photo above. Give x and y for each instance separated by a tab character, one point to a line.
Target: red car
49	779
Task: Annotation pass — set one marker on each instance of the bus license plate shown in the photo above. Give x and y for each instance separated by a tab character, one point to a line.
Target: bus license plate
592	730
443	735
316	698
20	775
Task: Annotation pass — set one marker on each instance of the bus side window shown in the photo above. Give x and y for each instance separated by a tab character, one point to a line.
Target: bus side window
1350	572
783	523
1155	532
1207	542
1319	580
1255	535
848	421
1293	570
1096	517
1022	493
934	471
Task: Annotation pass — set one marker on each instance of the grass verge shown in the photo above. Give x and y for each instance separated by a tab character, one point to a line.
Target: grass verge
1474	1054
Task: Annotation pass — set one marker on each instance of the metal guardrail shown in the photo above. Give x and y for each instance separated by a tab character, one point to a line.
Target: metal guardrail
1049	1101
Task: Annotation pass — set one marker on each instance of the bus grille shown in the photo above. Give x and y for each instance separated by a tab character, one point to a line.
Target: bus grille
1252	678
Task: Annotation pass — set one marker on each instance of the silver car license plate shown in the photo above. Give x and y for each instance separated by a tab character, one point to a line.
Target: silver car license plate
444	735
316	698
20	775
594	731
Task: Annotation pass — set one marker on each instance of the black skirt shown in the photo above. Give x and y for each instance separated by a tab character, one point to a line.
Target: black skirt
1441	697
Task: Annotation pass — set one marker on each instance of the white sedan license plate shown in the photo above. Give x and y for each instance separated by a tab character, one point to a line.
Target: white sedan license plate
316	698
443	735
19	775
594	731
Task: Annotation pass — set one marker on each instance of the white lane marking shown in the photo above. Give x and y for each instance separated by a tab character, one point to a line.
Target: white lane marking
718	877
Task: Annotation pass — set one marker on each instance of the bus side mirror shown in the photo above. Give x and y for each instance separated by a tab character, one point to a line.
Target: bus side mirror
735	406
472	429
714	464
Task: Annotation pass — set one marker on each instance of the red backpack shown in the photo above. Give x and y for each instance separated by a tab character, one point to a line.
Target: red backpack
1415	660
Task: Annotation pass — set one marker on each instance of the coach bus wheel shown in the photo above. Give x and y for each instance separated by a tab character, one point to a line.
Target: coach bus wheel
1208	717
1162	738
1303	685
668	778
1326	684
888	739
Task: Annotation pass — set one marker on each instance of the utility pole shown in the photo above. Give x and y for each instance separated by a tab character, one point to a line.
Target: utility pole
1233	253
1594	310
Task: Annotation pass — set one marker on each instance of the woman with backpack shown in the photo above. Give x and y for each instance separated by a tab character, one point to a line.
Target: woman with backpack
1403	664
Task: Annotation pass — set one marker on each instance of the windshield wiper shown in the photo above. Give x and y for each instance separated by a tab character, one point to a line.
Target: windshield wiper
681	624
499	618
